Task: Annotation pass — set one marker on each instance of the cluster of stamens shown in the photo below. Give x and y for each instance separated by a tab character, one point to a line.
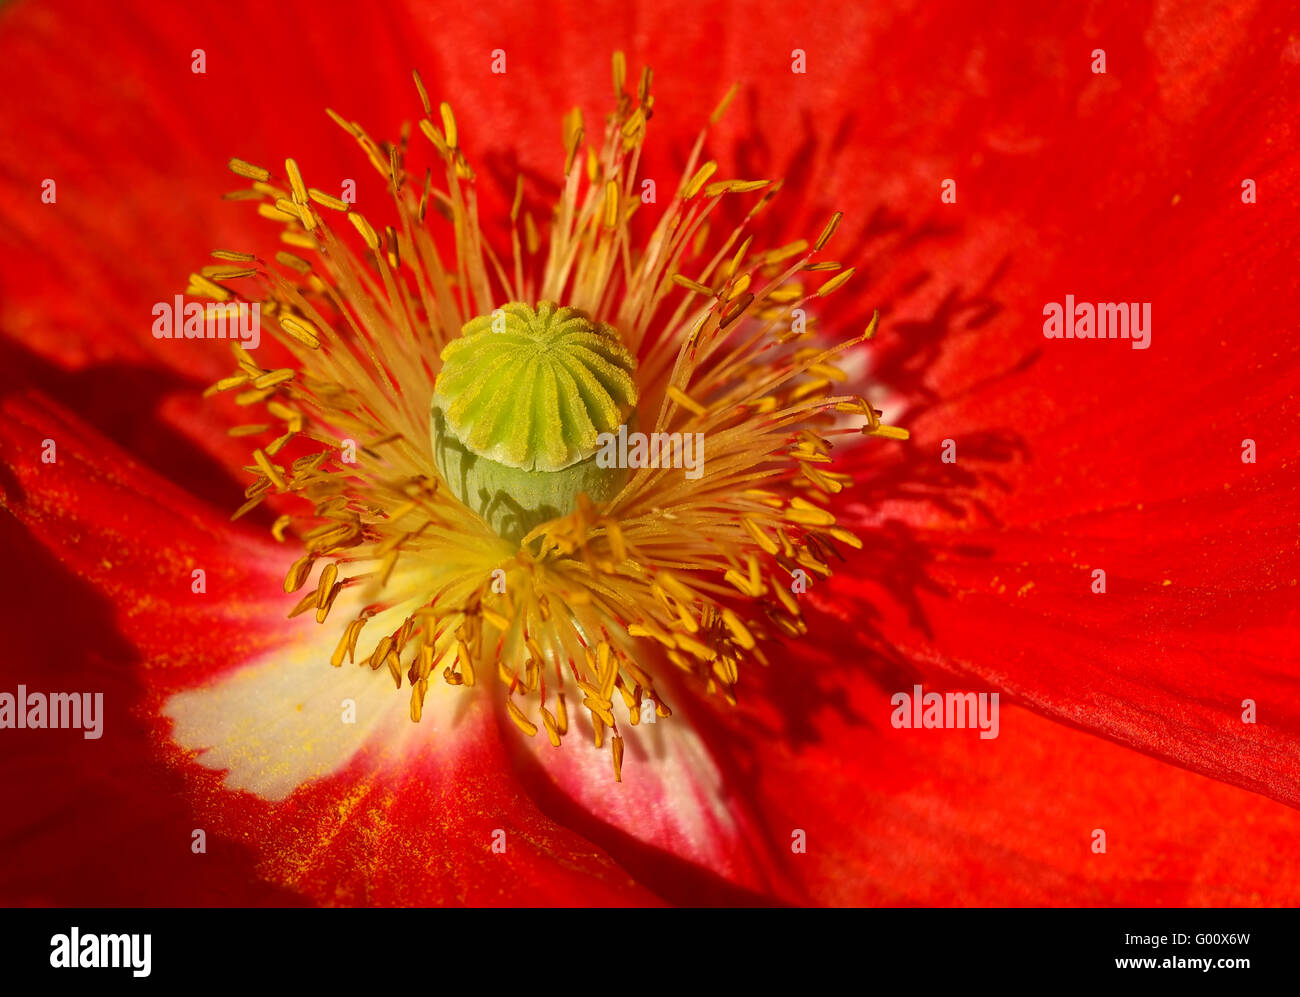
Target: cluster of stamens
589	603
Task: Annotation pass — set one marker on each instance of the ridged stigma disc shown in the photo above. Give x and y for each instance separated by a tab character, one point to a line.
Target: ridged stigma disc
517	409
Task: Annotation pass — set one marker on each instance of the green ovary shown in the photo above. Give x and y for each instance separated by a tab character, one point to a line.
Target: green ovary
517	409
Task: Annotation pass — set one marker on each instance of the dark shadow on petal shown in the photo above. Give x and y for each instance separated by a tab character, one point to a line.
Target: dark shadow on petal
123	402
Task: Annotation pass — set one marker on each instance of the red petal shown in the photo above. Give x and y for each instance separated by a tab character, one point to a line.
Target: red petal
944	817
1074	455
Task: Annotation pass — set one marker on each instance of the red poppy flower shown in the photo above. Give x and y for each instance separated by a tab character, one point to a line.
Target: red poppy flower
1102	535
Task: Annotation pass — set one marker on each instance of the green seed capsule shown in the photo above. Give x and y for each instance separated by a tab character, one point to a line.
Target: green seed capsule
517	409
